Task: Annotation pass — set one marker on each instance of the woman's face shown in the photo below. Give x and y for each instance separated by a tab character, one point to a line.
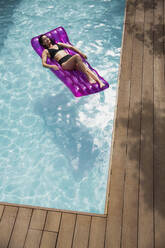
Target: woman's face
46	40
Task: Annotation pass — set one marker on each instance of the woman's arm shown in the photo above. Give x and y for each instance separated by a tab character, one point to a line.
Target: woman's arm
44	58
73	48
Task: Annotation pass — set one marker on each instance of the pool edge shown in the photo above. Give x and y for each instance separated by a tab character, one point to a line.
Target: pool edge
115	115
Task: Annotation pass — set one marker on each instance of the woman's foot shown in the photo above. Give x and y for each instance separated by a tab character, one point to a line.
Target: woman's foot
92	81
101	84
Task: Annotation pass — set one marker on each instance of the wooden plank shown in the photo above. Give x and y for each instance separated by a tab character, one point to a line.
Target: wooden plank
1	211
146	224
131	194
148	11
139	15
33	239
115	206
97	232
126	60
38	219
121	122
121	111
7	224
130	11
53	221
20	229
66	231
158	13
159	198
48	240
164	20
81	234
114	218
159	123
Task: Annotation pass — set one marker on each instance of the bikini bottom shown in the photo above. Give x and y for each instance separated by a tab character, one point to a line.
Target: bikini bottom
64	59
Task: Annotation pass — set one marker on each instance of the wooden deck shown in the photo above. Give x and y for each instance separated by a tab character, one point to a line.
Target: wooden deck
135	216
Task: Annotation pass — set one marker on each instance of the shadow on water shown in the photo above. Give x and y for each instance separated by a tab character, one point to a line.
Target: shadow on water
6	12
69	134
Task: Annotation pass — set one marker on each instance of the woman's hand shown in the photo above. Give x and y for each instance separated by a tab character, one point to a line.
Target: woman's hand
55	67
83	55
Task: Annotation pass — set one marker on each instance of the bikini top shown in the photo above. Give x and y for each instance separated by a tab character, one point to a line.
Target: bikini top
53	51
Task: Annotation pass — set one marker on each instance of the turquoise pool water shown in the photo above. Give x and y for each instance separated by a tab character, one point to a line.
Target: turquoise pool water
55	148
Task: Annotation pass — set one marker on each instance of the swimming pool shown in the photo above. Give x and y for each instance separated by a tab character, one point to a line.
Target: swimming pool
55	148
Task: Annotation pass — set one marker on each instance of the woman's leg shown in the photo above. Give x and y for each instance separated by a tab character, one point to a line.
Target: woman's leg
75	62
95	77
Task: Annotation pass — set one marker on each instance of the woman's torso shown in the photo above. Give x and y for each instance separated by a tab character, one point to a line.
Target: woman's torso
58	54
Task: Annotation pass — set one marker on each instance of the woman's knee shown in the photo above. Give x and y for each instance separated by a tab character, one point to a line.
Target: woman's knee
77	58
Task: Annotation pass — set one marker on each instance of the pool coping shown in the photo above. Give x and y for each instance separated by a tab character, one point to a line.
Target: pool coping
115	114
52	209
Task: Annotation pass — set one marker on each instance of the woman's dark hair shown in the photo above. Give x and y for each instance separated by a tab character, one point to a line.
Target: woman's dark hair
41	41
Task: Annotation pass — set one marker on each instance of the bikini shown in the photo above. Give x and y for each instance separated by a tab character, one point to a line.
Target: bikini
53	52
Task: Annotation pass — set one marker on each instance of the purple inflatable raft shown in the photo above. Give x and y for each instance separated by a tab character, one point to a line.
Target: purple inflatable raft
74	80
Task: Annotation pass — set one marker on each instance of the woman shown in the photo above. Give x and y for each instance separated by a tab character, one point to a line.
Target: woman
68	62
